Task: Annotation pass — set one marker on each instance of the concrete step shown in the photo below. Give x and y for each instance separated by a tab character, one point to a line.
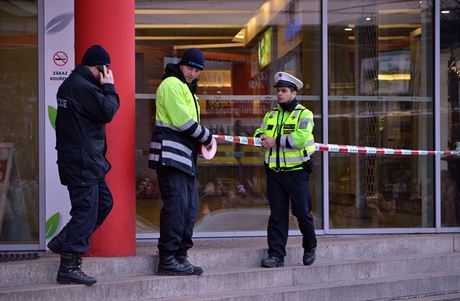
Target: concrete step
241	279
454	296
389	288
44	270
224	254
330	248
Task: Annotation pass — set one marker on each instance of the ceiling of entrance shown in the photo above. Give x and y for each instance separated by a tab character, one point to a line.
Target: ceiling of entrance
193	22
223	23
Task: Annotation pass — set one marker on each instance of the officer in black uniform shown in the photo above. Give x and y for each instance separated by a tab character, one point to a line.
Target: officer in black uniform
86	100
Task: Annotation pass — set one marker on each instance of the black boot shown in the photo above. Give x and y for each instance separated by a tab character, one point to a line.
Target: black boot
70	270
309	256
272	262
55	245
169	266
196	269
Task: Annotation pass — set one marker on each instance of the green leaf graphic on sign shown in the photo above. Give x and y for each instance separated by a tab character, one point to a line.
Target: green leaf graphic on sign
52	224
52	112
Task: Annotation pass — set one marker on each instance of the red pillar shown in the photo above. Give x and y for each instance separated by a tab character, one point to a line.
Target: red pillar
110	23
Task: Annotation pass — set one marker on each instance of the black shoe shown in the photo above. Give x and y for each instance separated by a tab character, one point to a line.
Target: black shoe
55	245
196	269
170	266
309	256
70	271
272	262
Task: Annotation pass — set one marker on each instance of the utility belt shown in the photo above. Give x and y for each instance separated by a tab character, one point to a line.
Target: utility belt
307	166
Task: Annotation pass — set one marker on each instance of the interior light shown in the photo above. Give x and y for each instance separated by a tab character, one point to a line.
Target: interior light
368	19
403	76
445	11
224	45
348	29
143	11
186	26
239	37
167	38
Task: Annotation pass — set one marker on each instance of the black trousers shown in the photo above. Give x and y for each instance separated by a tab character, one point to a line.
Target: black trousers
282	187
90	207
180	207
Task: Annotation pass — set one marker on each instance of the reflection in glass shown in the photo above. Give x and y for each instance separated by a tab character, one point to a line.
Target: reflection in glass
450	112
18	123
235	91
380	94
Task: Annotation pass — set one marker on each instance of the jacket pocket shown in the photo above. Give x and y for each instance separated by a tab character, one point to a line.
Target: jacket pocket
94	164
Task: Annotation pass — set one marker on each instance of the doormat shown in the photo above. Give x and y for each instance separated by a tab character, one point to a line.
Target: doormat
10	256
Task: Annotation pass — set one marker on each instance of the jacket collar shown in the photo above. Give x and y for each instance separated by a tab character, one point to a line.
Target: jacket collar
290	106
86	74
174	70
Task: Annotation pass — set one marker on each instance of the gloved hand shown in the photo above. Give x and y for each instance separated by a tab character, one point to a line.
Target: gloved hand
209	145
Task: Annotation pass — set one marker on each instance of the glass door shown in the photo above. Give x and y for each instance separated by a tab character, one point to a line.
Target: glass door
19	126
450	112
245	43
381	95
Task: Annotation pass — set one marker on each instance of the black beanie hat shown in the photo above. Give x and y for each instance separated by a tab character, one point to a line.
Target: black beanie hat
96	55
193	57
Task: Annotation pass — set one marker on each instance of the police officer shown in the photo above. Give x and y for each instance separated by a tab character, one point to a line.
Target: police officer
87	100
173	153
286	133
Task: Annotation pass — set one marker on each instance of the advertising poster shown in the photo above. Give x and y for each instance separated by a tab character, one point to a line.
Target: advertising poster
59	63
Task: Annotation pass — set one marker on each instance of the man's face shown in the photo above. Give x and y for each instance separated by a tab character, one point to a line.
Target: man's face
285	95
190	73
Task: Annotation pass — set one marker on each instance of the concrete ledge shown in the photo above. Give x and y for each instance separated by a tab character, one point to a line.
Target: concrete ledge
225	254
345	291
456	242
449	296
232	271
44	270
260	279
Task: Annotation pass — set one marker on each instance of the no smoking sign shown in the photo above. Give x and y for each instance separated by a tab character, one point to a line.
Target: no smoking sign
60	58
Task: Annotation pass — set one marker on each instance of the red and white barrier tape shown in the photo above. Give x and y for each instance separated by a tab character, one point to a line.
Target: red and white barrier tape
335	148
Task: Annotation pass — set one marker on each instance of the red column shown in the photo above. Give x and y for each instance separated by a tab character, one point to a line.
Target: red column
110	23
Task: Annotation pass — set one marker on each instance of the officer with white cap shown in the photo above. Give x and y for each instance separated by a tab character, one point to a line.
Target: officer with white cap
283	79
287	136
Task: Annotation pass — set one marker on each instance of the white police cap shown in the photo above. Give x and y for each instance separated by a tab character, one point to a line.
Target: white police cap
283	79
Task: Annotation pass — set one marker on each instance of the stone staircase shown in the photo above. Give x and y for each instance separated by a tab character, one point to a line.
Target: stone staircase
368	267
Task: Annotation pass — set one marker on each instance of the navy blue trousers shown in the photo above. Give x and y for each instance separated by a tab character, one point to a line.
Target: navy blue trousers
180	206
282	187
90	207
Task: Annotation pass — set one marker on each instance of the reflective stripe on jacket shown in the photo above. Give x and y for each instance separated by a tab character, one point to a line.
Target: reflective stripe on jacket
294	134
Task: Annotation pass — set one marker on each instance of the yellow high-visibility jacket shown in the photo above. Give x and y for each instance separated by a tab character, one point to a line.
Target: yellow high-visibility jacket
177	134
294	137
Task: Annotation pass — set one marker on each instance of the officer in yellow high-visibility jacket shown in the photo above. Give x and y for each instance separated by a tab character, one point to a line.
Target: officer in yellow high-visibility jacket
287	136
174	146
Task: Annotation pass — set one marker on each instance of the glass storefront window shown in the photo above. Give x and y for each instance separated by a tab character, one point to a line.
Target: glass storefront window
245	43
450	112
19	123
381	94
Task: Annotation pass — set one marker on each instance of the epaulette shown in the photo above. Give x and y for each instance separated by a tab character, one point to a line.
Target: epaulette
273	112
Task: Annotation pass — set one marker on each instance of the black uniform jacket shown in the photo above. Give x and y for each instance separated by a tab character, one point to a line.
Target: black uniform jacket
84	107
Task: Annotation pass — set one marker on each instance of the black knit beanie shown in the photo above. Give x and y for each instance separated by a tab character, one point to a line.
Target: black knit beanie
96	55
193	57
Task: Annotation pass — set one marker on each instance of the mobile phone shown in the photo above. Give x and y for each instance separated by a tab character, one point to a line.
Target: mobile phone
100	68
